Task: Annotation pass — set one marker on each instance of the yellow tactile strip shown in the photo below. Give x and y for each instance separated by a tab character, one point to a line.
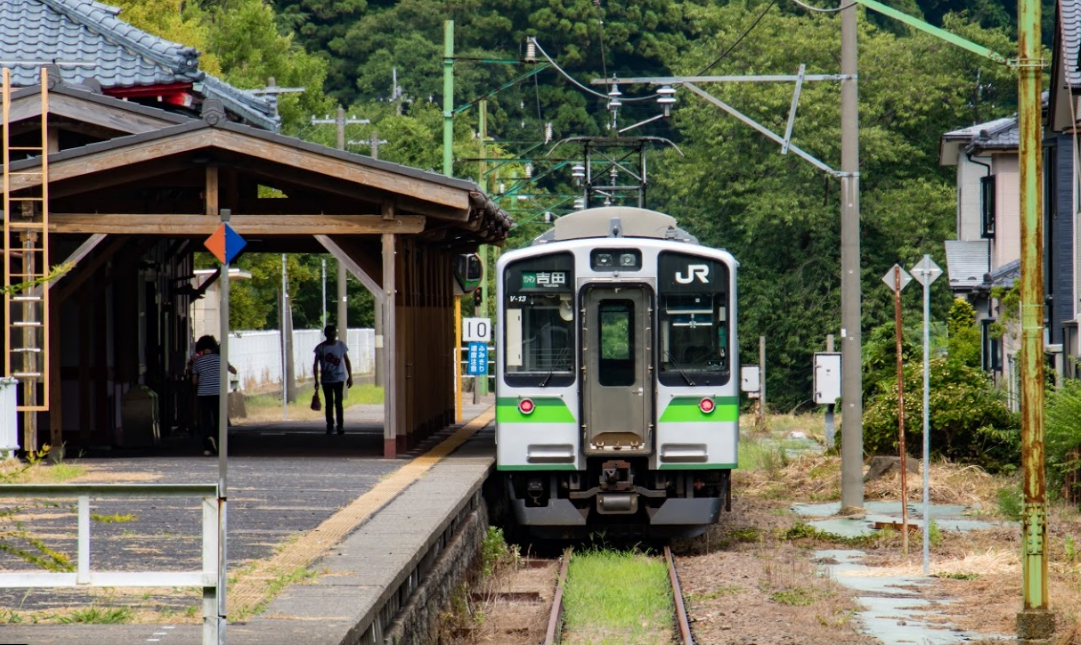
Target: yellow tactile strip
252	587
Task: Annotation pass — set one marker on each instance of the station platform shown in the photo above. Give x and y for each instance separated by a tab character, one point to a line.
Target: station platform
327	539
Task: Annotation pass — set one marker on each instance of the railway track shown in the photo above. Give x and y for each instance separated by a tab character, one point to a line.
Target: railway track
555	620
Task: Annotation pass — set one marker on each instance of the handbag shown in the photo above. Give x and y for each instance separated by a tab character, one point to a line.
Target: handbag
317	404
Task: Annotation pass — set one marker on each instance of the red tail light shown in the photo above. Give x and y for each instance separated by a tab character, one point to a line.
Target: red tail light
707	406
525	406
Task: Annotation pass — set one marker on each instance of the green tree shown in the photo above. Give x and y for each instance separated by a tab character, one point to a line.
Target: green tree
964	334
778	214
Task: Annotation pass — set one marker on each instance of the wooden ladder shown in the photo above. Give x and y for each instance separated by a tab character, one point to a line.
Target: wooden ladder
26	258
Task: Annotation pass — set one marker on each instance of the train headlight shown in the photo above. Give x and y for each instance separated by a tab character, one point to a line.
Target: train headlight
526	406
706	405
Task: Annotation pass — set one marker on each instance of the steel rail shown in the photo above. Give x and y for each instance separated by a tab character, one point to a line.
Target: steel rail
682	621
555	619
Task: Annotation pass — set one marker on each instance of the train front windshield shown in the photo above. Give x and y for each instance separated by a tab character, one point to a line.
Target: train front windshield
539	326
694	321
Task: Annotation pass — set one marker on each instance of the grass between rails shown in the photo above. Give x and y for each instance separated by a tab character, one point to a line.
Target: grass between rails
617	598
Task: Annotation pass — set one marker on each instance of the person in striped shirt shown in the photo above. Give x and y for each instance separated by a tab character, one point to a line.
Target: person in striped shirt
206	375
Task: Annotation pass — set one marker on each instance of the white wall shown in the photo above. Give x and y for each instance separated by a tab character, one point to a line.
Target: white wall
257	355
1006	247
969	199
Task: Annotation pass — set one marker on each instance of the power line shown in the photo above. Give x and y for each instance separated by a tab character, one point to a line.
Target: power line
740	39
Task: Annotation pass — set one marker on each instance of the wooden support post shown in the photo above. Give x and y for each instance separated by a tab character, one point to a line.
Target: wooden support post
212	191
390	388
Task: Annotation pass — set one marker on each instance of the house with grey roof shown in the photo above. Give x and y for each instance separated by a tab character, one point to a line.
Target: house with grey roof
987	251
988	220
90	45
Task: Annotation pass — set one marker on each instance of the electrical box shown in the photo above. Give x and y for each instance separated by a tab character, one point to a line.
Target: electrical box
827	382
749	380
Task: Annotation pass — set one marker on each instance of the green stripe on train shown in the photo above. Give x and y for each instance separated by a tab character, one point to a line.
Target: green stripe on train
684	409
546	410
698	466
537	467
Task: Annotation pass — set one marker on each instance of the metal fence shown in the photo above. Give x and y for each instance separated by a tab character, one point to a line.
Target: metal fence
257	355
83	576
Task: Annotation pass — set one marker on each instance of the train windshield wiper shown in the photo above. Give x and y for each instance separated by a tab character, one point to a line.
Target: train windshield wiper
673	363
547	378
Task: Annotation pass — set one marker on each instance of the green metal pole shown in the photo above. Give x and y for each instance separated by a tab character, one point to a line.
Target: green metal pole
1035	623
448	98
482	383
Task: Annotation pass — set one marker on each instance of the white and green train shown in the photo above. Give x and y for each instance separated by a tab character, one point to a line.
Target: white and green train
617	377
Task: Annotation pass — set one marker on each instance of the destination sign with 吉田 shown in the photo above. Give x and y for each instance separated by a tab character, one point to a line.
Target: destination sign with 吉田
544	279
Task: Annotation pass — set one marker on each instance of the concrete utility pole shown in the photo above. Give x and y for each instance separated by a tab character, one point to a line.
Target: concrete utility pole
340	121
851	334
1035	622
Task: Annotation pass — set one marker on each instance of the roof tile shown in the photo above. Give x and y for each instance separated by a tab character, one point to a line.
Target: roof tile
96	44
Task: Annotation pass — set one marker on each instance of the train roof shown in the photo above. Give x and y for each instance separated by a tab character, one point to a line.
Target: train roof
615	221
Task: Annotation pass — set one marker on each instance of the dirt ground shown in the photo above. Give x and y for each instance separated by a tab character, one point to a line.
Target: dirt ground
753	578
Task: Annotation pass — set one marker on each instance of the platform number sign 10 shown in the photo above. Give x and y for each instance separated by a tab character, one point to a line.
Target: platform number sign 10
476	330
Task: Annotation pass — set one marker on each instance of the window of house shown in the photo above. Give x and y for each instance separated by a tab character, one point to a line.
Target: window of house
987	205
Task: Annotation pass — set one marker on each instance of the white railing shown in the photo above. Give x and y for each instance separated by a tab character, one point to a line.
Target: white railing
83	576
257	355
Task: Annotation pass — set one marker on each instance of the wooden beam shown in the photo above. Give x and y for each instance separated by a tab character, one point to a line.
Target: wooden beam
78	254
185	225
258	148
359	273
318	183
114	118
355	172
70	282
84	184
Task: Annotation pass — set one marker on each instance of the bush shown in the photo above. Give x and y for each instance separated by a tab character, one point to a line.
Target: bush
964	340
1062	430
969	422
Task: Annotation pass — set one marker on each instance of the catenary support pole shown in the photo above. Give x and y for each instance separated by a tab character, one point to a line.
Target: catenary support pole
851	334
1035	622
448	98
482	380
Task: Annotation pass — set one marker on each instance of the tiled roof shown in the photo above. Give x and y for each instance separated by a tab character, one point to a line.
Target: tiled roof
967	263
1006	275
1070	19
1000	134
97	45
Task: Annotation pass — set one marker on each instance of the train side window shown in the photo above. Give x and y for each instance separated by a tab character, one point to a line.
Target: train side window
616	343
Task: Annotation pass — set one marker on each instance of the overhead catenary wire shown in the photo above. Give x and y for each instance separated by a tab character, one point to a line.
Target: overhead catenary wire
738	40
820	10
585	89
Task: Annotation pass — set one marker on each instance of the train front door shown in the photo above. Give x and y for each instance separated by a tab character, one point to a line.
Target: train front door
617	353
